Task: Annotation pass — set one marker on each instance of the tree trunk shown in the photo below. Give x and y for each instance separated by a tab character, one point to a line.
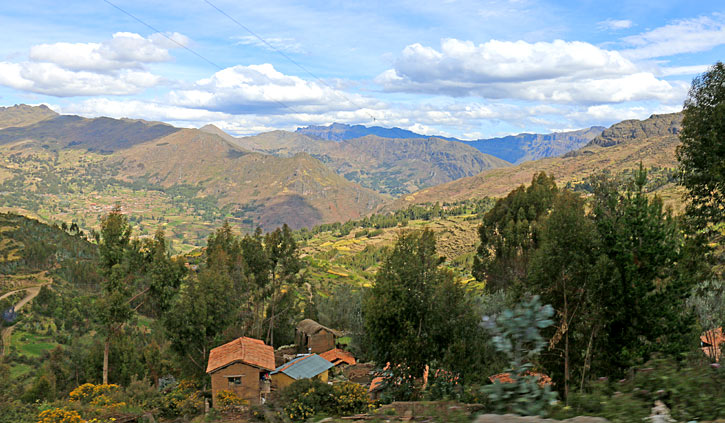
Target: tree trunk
106	348
566	351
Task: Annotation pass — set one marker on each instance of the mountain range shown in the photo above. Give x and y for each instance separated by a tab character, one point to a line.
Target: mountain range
392	166
620	148
512	148
185	181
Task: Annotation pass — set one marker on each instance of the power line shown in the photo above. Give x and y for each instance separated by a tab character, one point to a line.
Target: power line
187	48
281	53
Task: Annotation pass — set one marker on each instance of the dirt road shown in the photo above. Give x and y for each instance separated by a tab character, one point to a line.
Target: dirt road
31	293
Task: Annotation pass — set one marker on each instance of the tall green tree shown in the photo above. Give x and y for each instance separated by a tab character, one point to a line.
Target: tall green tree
114	249
642	290
284	264
564	272
414	312
702	152
509	233
204	308
136	274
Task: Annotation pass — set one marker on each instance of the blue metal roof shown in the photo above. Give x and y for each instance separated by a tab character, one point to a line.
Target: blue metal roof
305	367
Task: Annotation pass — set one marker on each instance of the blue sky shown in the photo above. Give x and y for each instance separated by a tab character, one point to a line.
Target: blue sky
468	69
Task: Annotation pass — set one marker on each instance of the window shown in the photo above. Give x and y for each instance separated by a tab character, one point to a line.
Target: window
234	381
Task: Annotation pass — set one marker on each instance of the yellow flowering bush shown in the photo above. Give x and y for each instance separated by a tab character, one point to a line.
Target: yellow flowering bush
299	411
59	415
350	397
94	394
228	400
82	393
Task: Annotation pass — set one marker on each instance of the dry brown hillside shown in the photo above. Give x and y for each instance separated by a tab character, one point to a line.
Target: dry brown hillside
24	115
298	190
392	166
621	147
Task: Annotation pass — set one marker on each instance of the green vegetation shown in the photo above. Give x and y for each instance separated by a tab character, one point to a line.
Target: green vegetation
702	155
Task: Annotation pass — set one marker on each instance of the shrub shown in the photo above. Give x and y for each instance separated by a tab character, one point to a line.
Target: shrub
184	400
442	385
59	415
350	398
691	392
516	335
88	393
307	397
228	401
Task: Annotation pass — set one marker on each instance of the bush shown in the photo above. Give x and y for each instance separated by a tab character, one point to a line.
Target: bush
350	398
228	401
89	393
517	336
307	397
183	400
442	385
59	415
691	392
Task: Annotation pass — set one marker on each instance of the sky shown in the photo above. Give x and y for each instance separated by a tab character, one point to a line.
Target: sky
468	69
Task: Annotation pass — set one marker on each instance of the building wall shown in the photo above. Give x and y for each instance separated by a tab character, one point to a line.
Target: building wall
248	390
321	342
281	380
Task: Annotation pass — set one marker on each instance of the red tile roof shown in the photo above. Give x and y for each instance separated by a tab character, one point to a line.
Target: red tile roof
246	350
711	341
543	379
337	356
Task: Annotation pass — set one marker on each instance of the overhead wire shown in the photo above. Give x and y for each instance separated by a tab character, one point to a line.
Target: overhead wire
185	47
286	56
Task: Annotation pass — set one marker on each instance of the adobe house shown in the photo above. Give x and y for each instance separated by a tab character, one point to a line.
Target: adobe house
310	366
241	366
312	337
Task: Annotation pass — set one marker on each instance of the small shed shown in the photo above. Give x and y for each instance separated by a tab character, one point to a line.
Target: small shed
241	366
312	337
310	366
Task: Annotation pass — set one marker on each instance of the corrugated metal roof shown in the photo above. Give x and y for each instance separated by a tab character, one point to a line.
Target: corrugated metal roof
304	367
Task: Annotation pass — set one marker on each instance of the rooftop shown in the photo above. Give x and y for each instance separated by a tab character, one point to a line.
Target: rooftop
305	367
246	350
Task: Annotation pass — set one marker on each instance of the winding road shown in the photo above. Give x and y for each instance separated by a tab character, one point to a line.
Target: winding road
31	293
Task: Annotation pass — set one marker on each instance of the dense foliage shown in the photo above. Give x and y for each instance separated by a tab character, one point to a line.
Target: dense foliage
702	153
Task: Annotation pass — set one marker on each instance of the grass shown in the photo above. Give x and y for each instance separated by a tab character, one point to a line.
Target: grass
19	370
32	345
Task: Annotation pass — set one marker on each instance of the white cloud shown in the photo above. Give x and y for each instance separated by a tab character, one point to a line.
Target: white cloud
113	67
683	36
51	79
272	43
615	24
559	71
124	50
262	89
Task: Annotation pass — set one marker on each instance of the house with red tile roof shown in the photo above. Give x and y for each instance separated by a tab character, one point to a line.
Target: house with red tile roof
241	366
337	357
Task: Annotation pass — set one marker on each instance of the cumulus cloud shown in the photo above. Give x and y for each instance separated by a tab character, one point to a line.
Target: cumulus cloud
615	24
558	71
263	89
683	36
114	67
